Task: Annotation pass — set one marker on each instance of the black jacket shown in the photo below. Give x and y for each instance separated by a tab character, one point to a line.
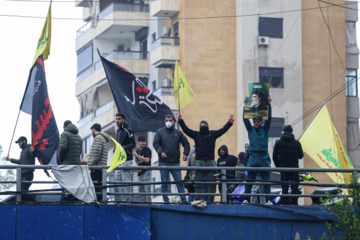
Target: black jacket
125	136
168	141
27	157
227	160
287	151
204	143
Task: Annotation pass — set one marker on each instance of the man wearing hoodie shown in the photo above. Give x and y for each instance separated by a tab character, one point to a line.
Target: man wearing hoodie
124	136
166	143
98	156
258	150
287	152
226	160
70	145
205	148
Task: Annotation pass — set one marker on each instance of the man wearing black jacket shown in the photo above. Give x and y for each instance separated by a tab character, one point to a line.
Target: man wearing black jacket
124	136
205	148
166	143
226	160
287	152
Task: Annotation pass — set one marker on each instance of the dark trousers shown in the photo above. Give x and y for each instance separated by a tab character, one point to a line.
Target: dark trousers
26	186
96	177
290	177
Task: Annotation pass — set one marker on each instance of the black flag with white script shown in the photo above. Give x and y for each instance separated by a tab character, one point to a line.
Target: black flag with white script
143	110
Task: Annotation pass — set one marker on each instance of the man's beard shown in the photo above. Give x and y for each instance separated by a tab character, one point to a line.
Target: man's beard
255	103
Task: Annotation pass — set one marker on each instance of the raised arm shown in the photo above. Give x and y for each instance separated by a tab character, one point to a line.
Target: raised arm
246	120
186	130
226	127
267	124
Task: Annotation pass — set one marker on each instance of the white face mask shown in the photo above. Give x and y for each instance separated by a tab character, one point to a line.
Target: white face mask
168	124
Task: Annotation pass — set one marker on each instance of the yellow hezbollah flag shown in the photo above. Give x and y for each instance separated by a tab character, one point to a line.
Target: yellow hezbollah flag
182	86
119	156
322	143
43	46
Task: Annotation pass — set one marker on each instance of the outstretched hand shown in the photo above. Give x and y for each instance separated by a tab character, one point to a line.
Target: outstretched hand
180	117
245	100
232	119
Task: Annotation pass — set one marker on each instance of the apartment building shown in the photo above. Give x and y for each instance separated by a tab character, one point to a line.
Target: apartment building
306	50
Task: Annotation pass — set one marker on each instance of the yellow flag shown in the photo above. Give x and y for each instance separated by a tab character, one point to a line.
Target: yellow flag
182	86
119	156
43	46
322	143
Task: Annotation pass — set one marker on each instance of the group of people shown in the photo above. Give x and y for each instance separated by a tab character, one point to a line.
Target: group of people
167	143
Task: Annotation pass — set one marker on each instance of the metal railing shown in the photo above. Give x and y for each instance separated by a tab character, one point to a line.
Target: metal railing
172	41
110	184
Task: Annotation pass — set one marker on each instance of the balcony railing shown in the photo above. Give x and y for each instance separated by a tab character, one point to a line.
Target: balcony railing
108	184
126	7
83	29
174	41
164	91
126	55
104	108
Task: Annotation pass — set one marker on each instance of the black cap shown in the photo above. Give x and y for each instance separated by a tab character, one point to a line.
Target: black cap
96	126
22	138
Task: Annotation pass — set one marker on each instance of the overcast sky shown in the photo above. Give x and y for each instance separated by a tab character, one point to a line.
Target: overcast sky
19	37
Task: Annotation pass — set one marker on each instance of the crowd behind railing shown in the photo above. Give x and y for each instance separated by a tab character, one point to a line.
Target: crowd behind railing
109	196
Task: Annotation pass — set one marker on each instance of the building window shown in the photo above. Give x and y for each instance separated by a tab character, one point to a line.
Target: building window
154	85
153	36
86	145
276	128
271	27
84	58
273	76
351	83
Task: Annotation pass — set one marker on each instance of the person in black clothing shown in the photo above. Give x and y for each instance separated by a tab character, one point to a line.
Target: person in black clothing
205	148
287	152
124	136
143	158
27	157
226	160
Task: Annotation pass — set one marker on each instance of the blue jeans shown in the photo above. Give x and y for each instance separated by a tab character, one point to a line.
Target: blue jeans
166	178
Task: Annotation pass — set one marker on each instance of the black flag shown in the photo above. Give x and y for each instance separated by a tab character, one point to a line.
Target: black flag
44	131
143	110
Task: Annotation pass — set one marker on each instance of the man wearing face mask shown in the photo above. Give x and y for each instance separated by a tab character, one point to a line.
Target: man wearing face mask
166	143
205	148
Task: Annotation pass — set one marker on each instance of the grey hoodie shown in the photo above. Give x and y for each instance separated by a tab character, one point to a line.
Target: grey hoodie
99	150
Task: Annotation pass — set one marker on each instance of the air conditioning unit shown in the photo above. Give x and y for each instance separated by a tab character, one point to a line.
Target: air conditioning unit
165	31
263	41
167	82
120	48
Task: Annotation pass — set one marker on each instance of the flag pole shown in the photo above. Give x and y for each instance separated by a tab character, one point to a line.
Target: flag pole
312	119
12	137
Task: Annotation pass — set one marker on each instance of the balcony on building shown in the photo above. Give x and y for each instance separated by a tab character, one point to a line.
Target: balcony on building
83	3
165	51
112	20
137	62
165	8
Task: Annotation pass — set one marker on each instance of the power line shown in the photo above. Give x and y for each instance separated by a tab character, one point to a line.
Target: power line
185	18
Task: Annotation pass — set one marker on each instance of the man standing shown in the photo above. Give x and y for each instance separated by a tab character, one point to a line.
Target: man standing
205	148
226	160
70	145
287	152
27	157
258	150
98	156
143	158
124	136
166	143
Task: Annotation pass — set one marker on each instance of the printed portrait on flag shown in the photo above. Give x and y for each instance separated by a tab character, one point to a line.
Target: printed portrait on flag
257	105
